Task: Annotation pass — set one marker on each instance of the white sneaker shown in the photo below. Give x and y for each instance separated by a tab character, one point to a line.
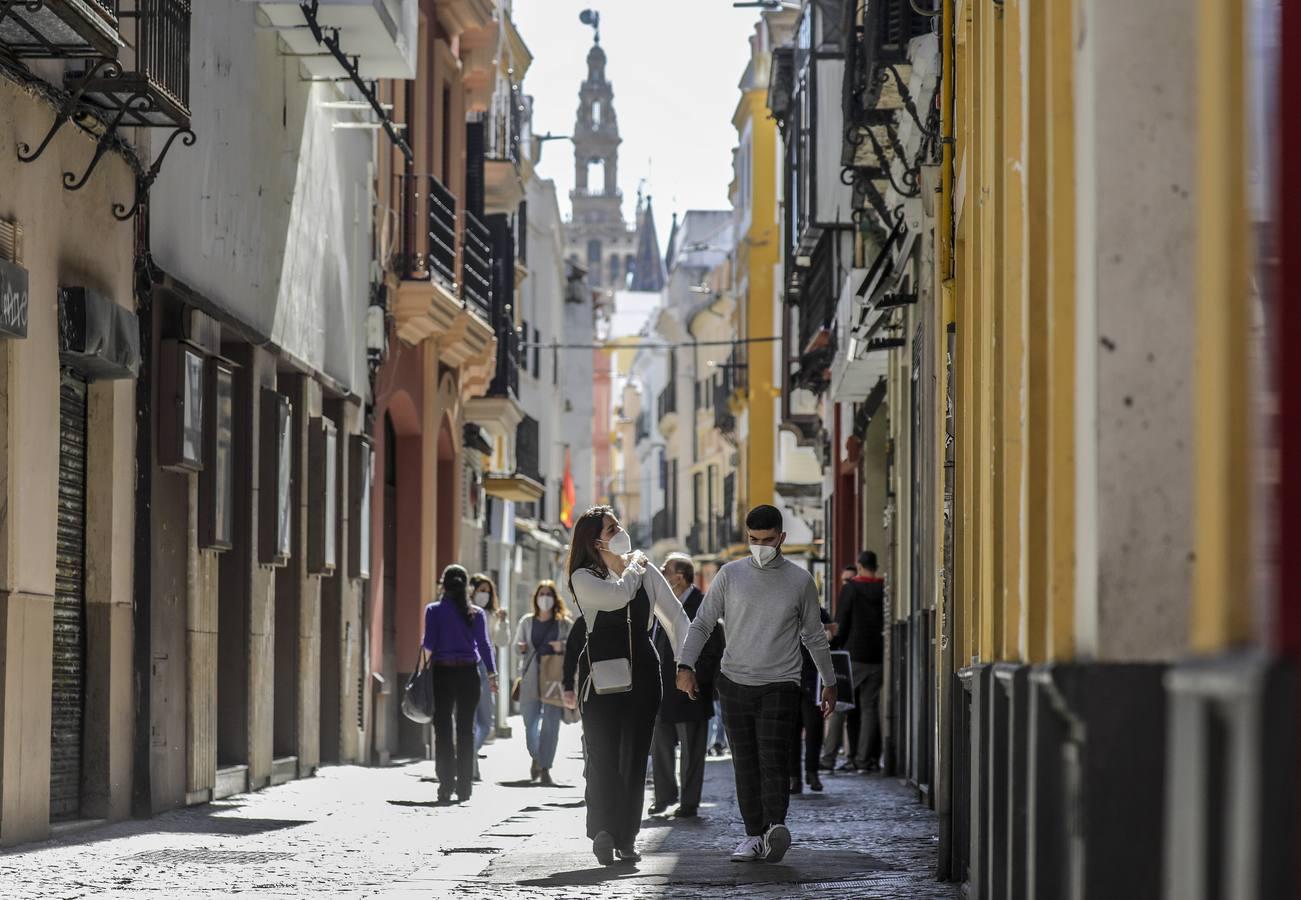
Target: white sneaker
749	850
776	841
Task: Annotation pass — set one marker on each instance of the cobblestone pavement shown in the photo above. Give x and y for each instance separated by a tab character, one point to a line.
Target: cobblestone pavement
356	832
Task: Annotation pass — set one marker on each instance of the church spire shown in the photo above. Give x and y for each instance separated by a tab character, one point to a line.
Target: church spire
648	269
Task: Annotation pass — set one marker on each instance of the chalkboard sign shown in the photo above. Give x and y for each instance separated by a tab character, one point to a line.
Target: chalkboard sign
13	300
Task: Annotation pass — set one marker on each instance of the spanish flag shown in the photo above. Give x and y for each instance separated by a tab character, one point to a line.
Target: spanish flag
567	495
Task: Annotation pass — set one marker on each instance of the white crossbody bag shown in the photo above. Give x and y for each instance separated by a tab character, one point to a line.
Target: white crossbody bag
609	676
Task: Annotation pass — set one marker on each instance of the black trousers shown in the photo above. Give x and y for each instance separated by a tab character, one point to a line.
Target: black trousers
759	721
694	737
617	730
809	722
456	697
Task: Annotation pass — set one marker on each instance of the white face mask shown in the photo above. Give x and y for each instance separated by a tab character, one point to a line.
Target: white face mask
763	554
482	598
620	544
546	602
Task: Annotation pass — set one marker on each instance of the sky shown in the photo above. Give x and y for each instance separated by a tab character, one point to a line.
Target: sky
674	66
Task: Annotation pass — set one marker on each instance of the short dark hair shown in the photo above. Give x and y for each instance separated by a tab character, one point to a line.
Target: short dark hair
849	567
683	567
867	559
763	518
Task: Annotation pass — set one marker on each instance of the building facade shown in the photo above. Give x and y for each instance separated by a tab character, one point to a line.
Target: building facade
1038	398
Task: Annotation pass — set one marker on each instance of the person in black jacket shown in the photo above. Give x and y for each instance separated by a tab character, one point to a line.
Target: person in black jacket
860	624
681	719
809	724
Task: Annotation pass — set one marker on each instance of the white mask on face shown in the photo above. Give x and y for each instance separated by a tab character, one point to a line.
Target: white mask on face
546	602
620	544
482	598
763	554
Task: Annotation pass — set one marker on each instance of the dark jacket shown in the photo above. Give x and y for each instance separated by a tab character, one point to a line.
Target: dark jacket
677	706
573	650
860	619
808	671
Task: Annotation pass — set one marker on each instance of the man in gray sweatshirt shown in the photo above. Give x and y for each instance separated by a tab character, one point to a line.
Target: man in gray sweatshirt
771	607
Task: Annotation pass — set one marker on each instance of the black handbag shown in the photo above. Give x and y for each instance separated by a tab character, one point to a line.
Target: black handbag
418	695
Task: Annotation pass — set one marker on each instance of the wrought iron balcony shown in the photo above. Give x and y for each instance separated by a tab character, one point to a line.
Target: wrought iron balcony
476	267
428	240
156	94
527	447
60	29
660	526
667	403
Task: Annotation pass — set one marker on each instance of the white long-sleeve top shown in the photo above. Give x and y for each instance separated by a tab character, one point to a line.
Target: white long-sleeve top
596	594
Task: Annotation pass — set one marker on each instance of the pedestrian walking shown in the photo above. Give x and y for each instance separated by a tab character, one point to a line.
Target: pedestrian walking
540	640
842	727
771	608
483	593
807	736
860	624
682	720
620	685
456	642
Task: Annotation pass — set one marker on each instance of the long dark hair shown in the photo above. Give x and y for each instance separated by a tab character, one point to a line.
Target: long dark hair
582	544
455	581
479	579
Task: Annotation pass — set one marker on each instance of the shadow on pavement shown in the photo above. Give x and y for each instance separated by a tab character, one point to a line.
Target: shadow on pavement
525	783
192	820
584	877
426	803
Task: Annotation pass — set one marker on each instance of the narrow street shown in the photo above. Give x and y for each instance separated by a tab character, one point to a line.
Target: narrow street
370	832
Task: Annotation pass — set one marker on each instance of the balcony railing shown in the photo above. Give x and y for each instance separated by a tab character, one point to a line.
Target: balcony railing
476	267
527	444
667	402
428	245
643	427
156	94
60	29
504	125
660	526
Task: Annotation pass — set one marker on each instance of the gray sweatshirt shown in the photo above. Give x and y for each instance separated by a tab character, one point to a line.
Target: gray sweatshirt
769	610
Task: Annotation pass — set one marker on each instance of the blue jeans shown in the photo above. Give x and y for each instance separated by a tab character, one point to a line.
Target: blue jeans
541	730
485	717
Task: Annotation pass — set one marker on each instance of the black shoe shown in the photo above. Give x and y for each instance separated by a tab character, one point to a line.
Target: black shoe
603	847
657	809
686	812
628	855
848	769
445	798
797	785
534	770
718	749
815	783
544	777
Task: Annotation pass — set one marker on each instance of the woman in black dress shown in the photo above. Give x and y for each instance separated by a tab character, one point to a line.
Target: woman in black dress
617	592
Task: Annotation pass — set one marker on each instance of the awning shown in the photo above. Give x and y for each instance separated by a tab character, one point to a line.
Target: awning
98	338
13	300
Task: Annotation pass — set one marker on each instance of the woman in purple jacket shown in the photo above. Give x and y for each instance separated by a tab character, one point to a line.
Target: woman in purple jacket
456	641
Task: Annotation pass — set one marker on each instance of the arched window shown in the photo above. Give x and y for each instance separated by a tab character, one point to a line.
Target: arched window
596	113
614	268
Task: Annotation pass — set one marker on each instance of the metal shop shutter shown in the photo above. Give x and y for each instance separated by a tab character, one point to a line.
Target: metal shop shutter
69	605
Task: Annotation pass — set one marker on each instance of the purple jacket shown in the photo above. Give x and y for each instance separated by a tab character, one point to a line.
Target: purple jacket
449	638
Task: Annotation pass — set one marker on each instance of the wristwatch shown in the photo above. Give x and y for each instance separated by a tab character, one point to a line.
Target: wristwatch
683	667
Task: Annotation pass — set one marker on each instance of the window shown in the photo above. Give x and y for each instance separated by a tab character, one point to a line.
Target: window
537	354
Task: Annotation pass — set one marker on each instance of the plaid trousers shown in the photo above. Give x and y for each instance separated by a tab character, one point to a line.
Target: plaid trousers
759	722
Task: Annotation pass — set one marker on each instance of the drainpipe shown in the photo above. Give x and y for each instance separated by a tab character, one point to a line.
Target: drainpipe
944	769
